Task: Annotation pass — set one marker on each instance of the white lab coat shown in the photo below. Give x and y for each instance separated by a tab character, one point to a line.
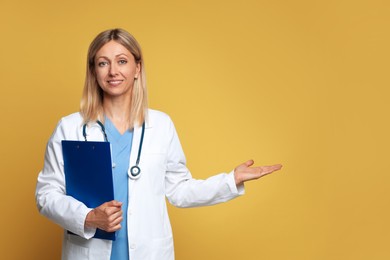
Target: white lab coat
164	174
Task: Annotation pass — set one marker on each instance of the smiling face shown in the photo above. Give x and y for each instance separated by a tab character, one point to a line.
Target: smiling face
116	70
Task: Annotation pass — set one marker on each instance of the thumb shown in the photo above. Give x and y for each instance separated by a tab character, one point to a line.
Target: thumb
114	203
245	165
249	163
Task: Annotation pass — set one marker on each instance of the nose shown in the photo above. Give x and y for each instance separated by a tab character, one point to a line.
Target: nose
113	69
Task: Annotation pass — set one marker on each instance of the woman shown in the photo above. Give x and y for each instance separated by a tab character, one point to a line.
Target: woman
115	95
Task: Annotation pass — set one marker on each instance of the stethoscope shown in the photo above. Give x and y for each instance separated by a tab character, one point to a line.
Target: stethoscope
135	171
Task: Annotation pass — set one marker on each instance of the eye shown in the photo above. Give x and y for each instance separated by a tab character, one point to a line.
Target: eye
122	61
102	63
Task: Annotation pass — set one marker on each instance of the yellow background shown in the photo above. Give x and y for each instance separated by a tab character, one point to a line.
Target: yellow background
303	83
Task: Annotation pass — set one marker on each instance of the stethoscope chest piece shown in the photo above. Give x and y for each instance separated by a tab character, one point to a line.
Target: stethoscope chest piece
134	172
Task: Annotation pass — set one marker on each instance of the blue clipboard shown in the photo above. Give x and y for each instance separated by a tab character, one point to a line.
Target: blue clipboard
88	175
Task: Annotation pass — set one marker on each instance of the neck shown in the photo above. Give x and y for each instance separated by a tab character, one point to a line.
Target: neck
118	111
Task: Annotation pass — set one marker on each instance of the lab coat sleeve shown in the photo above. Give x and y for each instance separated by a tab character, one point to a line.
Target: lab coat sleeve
50	193
184	191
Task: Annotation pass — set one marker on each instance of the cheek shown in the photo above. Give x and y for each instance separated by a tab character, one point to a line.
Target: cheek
131	72
99	76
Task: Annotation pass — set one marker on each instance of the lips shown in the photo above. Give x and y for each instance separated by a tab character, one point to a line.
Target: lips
114	82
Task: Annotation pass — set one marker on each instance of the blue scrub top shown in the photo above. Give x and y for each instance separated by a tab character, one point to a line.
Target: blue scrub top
120	152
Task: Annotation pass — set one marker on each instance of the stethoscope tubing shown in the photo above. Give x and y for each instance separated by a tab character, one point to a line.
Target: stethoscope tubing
134	172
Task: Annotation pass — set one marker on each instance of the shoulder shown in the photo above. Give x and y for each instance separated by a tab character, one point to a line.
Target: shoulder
160	122
157	114
158	117
74	119
68	126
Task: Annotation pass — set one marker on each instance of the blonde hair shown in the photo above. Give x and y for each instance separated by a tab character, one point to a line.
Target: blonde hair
91	105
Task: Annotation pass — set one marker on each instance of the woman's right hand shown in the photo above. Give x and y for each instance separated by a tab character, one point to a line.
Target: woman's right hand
107	216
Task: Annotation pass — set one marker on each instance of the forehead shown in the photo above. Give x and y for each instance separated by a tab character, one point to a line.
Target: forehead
112	49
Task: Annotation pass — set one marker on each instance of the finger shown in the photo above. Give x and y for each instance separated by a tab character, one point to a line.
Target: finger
260	171
115	220
272	168
116	214
113	203
265	170
277	166
115	223
113	228
112	210
109	204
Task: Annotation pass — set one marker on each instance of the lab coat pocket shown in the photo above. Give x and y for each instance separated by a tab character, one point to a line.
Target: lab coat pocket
162	248
154	171
73	248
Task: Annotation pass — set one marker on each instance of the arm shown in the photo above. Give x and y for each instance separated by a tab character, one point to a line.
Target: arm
51	197
50	192
184	191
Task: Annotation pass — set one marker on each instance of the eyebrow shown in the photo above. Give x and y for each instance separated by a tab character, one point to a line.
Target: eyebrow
105	57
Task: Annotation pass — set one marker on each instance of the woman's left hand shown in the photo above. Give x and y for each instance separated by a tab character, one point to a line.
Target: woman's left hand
244	172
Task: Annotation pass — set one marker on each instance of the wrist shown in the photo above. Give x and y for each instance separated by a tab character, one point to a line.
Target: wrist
88	223
237	180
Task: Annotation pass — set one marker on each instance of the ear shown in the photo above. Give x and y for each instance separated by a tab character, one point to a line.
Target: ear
137	70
